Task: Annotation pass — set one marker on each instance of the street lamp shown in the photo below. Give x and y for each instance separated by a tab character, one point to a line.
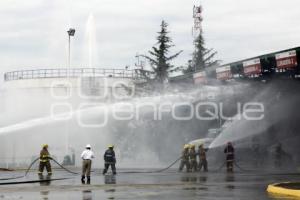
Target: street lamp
71	33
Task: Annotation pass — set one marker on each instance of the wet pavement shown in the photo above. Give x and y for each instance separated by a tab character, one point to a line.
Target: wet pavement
166	185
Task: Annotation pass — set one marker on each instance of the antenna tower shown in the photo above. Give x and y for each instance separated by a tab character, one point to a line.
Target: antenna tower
197	15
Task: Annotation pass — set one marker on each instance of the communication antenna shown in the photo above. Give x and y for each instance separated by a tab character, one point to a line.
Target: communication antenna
197	28
197	15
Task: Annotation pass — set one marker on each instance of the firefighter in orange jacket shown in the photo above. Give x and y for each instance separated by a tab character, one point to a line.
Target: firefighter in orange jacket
45	161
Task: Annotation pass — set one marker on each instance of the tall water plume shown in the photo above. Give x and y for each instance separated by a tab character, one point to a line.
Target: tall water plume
90	49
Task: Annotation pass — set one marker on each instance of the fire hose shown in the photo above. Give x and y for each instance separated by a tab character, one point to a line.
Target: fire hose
30	166
69	171
75	173
235	163
155	171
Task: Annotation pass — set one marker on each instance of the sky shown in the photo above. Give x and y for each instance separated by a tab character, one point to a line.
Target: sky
33	32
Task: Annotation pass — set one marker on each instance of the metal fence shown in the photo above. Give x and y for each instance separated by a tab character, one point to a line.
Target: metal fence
73	72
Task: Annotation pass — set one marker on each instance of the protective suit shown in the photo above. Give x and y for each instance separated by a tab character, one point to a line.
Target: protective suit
45	161
202	158
229	151
109	160
185	159
193	159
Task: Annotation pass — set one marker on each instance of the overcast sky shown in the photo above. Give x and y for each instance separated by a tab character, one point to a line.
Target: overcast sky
33	32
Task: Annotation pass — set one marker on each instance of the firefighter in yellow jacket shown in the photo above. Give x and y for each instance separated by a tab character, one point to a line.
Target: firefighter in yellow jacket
193	158
202	158
45	160
185	160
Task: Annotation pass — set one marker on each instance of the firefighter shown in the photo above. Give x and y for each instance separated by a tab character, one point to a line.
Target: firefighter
185	159
193	158
229	151
87	156
110	160
202	158
45	161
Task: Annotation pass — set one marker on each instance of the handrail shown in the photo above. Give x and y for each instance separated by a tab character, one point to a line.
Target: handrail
72	73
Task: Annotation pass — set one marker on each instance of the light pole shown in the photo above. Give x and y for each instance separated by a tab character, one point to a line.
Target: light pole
71	32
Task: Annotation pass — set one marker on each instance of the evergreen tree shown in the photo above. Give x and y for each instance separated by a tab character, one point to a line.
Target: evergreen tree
202	57
189	69
159	56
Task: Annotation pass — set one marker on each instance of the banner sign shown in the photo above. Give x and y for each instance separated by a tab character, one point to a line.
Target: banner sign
224	73
252	66
199	77
286	59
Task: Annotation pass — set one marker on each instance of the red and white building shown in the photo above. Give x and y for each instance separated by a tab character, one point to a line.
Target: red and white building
224	73
200	78
286	59
252	67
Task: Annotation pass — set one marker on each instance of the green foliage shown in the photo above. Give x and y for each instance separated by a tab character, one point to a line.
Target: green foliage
189	69
202	57
159	55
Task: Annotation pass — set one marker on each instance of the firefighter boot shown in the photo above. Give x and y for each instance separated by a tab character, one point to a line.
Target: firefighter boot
82	179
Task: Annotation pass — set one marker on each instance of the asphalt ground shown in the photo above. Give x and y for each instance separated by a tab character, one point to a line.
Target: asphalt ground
127	185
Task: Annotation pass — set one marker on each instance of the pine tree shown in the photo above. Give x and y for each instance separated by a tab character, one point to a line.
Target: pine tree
189	69
203	57
160	59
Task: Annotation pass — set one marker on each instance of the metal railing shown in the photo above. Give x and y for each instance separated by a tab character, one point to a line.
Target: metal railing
73	73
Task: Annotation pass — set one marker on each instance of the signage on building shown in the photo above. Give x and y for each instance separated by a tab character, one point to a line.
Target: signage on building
252	66
199	78
286	59
224	73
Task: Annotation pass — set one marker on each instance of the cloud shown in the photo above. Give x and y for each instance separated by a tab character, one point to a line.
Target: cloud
33	32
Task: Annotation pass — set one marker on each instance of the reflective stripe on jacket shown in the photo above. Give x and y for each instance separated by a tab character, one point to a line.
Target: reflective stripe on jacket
44	155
